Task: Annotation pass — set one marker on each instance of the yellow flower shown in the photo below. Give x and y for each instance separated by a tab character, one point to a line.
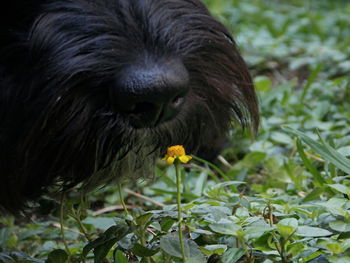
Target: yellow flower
176	152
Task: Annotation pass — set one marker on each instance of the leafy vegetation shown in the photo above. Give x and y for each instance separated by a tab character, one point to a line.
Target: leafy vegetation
283	197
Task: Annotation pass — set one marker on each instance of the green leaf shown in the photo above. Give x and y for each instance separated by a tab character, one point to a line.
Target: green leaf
103	244
341	188
101	251
232	255
311	79
262	83
296	248
18	257
226	227
142	251
119	257
214	249
5	235
216	190
256	231
335	248
325	150
308	231
309	165
253	159
344	151
286	227
143	219
100	222
57	256
340	225
170	244
317	258
337	259
314	194
281	138
166	223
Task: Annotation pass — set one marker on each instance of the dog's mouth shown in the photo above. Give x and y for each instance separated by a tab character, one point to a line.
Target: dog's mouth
152	115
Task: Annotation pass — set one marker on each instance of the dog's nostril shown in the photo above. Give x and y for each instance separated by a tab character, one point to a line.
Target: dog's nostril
177	101
151	94
141	107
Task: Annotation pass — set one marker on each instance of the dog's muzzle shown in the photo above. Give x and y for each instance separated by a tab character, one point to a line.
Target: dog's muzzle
150	93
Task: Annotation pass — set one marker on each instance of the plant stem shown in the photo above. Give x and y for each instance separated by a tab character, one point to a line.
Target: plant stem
81	226
120	189
179	215
141	233
62	229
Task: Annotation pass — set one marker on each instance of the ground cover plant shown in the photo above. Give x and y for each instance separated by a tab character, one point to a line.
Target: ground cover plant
280	197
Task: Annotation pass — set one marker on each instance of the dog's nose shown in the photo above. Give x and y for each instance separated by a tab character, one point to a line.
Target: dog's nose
151	94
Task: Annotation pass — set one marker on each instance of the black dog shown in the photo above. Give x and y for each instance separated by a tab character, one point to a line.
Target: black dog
91	90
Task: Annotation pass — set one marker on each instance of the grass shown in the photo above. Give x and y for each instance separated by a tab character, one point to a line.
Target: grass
283	197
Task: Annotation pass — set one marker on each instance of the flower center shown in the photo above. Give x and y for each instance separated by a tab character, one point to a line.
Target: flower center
176	151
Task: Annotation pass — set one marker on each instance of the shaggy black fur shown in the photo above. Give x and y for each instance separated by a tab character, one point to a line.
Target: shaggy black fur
82	85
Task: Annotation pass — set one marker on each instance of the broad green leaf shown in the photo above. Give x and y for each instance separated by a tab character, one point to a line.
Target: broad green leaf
262	83
227	183
286	227
337	206
296	248
314	194
214	249
142	251
101	251
143	219
100	222
281	138
256	231
171	245
308	231
337	259
341	188
226	227
196	260
106	240
340	225
166	223
20	257
253	159
232	255
335	248
57	256
119	257
344	151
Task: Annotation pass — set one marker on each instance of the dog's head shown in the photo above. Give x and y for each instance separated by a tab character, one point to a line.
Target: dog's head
105	86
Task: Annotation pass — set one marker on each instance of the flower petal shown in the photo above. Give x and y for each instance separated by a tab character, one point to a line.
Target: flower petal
170	160
185	158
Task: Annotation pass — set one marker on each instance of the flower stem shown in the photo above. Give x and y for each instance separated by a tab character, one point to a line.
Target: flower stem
179	215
